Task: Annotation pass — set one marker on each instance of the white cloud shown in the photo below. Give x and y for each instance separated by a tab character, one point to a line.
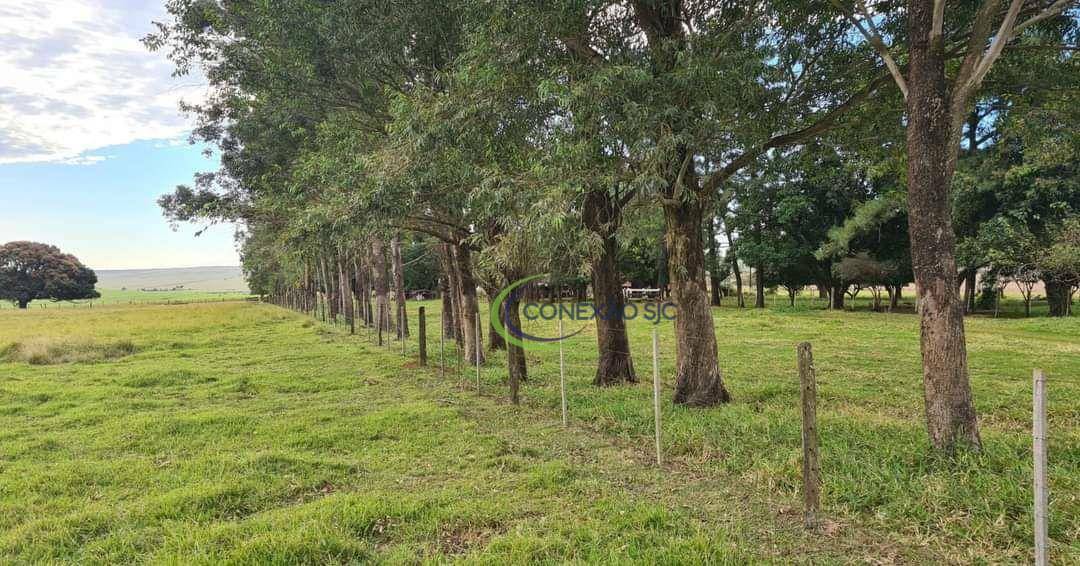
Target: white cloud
74	77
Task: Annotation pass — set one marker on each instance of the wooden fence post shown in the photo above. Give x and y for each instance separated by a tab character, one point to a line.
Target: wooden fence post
656	392
1038	434
811	471
422	338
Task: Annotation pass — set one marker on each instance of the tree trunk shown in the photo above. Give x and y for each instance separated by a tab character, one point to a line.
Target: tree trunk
698	381
615	365
731	257
515	355
969	289
363	290
382	291
1058	297
495	340
468	308
347	305
402	315
932	149
714	264
759	288
449	290
24	303
838	292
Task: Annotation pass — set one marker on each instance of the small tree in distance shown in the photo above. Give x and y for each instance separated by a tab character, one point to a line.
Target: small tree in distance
30	271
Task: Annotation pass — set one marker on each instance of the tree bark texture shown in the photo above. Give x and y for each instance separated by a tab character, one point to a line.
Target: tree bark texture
932	148
615	365
698	381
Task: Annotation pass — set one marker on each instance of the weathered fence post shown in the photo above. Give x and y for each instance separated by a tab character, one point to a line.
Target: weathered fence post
380	322
562	375
422	337
1038	437
811	471
656	392
478	346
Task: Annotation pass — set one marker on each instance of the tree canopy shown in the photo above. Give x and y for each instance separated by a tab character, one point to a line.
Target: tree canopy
30	271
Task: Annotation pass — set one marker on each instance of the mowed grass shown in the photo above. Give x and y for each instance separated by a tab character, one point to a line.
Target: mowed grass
245	433
876	464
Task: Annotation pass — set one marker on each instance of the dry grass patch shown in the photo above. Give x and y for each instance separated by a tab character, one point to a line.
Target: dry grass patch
50	351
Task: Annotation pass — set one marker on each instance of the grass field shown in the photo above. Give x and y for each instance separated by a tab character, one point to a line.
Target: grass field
113	297
246	433
191	278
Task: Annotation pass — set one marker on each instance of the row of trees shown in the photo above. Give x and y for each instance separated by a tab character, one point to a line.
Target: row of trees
564	136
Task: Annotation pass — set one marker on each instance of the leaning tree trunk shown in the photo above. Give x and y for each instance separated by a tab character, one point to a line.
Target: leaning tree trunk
698	381
950	413
402	316
615	364
468	308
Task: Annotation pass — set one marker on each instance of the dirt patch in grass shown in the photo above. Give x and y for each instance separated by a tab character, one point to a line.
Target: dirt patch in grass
462	540
44	351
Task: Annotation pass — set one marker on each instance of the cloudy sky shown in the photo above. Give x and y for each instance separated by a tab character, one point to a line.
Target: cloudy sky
91	134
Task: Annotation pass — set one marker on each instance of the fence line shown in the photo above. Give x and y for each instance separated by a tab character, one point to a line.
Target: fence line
804	382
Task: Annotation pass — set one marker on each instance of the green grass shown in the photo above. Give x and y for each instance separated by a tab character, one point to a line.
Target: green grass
245	433
136	297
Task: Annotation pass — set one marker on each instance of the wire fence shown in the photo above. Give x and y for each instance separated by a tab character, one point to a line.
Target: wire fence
757	363
561	375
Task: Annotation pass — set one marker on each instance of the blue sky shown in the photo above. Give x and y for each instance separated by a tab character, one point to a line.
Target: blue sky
105	212
91	135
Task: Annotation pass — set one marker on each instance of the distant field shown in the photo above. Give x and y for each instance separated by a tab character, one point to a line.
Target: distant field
244	433
190	278
129	296
141	286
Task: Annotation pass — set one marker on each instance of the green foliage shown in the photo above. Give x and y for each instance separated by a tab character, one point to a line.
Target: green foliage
421	266
30	271
1060	261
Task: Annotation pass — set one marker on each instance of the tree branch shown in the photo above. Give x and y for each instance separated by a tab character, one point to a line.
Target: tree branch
874	38
822	125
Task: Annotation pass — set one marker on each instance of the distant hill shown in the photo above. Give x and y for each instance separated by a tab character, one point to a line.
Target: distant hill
189	278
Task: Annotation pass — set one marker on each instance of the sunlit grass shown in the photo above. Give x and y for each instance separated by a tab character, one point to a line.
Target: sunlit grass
246	433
